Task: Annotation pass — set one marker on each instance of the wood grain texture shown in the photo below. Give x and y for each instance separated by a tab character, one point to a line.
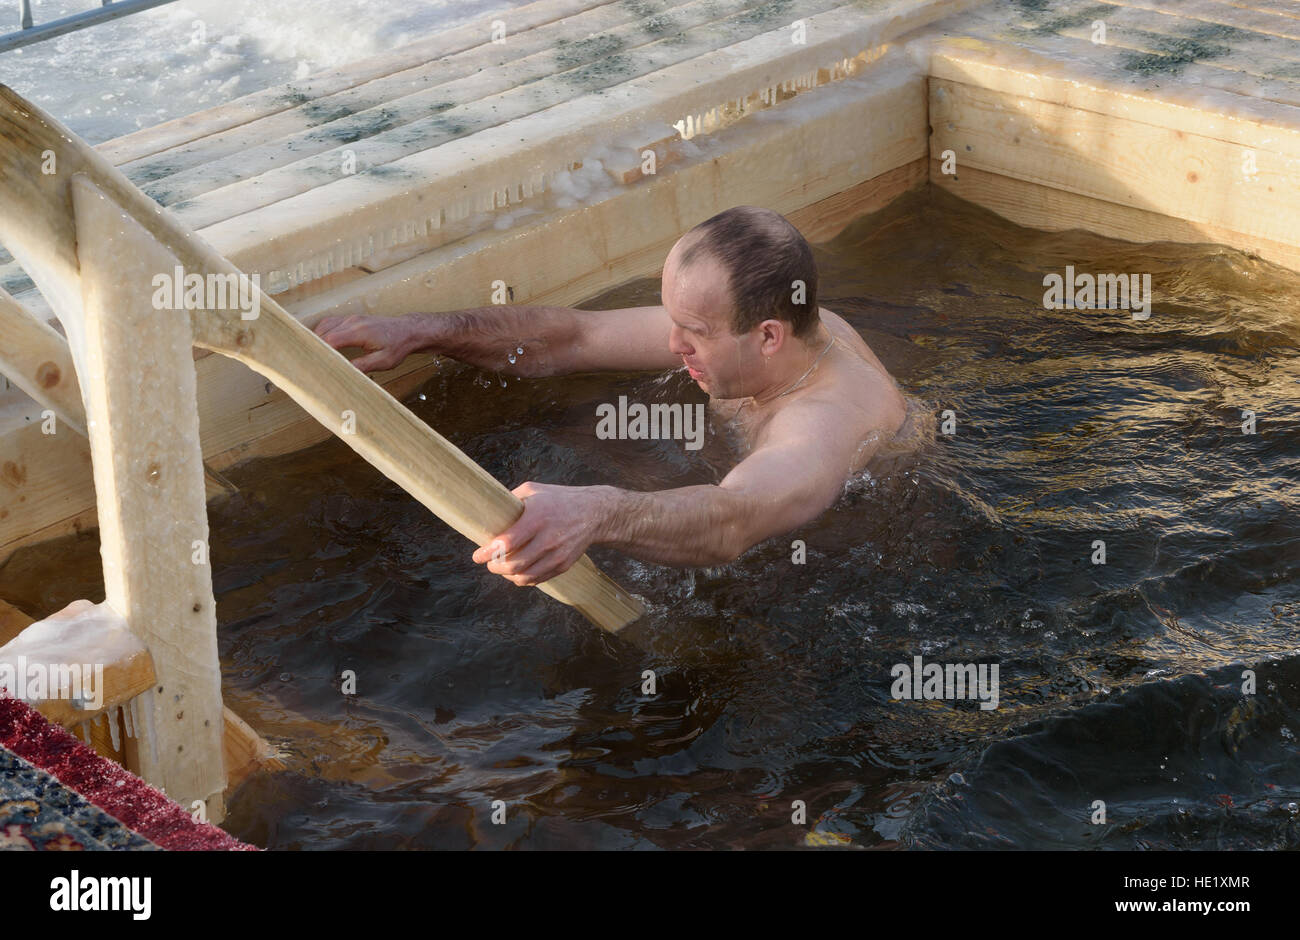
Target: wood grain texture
1056	210
1143	166
276	345
144	438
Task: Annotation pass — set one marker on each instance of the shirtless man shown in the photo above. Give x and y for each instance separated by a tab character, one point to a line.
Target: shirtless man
813	403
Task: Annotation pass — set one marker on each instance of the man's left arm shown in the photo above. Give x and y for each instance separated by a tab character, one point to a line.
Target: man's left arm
796	471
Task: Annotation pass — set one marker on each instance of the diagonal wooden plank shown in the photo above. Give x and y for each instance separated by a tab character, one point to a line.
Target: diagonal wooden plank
284	168
1221	14
181	130
340	225
275	344
358	111
1237	45
1105	87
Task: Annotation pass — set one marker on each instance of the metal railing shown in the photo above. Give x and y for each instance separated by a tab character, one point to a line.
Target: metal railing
29	33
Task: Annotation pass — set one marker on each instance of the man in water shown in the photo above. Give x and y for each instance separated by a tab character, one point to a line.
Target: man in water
812	402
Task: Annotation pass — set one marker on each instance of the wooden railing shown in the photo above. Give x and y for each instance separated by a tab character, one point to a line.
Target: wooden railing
29	31
93	243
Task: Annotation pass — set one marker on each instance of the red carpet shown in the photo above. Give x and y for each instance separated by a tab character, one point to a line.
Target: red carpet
115	790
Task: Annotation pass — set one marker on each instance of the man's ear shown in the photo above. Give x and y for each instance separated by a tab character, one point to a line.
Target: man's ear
772	337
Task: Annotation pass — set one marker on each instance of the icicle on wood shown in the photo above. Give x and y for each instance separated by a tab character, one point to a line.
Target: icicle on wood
113	715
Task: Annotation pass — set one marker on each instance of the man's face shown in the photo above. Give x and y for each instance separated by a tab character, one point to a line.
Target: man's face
697	300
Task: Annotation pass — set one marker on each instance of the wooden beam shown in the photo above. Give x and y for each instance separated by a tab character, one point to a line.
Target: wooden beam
143	419
801	159
276	345
75	637
1055	210
124	679
262	104
1141	166
340	224
245	751
825	219
36	358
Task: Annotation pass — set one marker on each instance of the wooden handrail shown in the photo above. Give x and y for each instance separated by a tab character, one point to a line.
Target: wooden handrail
38	226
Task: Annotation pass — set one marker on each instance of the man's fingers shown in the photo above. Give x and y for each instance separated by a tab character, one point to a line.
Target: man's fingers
509	542
548	565
345	334
540	568
486	552
375	361
520	560
514	544
328	325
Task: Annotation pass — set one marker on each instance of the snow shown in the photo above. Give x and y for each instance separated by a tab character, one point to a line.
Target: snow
82	632
138	71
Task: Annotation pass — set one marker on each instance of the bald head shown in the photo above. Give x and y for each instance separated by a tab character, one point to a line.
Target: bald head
769	267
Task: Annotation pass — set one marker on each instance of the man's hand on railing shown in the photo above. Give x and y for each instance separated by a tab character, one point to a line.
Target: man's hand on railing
386	340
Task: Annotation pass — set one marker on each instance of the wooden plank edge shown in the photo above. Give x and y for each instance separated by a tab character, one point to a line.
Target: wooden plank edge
1054	210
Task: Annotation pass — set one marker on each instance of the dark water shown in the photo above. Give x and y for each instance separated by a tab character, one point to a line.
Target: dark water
1119	682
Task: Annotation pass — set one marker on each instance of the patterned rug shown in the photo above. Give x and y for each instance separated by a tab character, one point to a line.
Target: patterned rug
56	794
39	813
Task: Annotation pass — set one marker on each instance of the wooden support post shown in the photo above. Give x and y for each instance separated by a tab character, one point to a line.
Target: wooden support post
37	228
142	415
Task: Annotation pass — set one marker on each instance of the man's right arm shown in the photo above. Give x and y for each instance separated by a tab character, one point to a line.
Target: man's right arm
554	340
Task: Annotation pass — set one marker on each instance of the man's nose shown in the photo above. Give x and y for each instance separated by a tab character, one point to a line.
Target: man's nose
677	344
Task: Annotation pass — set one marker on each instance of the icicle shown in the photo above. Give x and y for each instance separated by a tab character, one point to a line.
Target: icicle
127	714
148	727
85	731
114	715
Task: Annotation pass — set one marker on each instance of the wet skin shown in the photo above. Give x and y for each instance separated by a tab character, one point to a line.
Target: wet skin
809	417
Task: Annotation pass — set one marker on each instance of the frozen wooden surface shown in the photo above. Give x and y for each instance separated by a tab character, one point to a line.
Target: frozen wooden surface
141	409
1178	121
